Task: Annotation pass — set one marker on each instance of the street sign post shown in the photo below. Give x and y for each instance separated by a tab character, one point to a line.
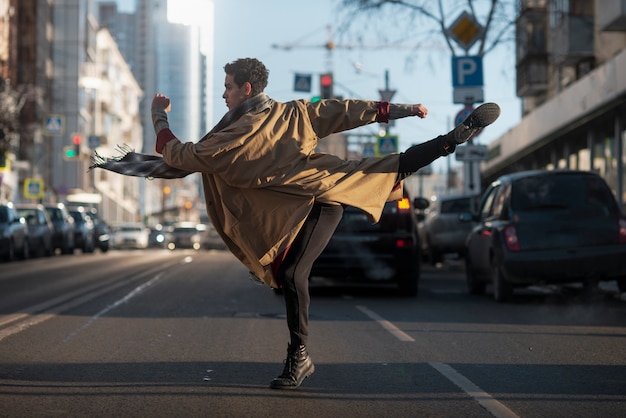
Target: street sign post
471	152
54	125
302	82
465	30
467	79
33	188
386	145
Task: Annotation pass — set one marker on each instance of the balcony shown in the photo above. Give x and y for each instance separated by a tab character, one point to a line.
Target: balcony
532	75
572	39
612	15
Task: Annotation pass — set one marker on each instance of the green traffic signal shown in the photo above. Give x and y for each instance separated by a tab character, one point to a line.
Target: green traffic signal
70	153
315	99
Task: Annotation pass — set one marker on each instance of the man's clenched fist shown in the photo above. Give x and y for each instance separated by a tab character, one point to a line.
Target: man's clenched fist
161	101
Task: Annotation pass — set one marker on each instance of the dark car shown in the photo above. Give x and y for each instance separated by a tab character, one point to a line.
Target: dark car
158	236
40	229
83	230
185	235
441	232
210	238
101	231
63	238
546	227
383	253
13	234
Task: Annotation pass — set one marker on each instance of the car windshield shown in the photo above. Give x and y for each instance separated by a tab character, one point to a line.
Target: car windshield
562	192
55	214
457	205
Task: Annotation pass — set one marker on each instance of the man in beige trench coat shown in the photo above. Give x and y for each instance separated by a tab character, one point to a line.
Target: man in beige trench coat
274	200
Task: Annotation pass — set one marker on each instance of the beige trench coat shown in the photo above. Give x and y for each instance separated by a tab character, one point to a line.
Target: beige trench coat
261	175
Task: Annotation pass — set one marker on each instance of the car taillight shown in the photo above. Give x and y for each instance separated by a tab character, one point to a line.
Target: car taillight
622	231
510	238
404	204
404	243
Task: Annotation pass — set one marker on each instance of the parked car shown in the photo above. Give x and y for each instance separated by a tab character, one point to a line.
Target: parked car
13	234
132	235
383	253
40	228
63	238
185	235
441	232
101	231
210	239
546	227
158	236
83	230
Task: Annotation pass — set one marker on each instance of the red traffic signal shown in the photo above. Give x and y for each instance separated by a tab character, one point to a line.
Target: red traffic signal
76	139
326	86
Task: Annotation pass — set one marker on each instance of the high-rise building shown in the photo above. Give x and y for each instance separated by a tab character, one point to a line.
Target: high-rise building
165	57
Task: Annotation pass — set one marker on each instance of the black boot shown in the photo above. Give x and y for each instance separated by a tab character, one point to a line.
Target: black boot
483	115
298	366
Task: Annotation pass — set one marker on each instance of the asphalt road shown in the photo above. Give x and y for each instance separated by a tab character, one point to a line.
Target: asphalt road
186	334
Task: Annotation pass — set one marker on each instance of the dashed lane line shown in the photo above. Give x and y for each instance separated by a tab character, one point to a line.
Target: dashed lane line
494	407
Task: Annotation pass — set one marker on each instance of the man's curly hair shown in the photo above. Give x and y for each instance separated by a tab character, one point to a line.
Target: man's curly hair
251	70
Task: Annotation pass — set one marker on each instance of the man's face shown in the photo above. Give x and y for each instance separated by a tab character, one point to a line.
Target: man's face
234	94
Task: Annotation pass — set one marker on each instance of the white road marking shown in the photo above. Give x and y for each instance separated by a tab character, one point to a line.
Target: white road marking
495	408
394	330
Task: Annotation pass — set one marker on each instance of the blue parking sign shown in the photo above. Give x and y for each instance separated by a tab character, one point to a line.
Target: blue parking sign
467	71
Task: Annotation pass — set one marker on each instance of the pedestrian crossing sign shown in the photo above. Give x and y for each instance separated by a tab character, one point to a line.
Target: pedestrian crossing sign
33	188
54	125
386	145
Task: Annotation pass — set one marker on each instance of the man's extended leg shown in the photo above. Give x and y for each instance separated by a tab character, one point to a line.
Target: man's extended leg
421	155
294	274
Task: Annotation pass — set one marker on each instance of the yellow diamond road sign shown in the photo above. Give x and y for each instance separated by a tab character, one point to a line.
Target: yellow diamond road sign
465	30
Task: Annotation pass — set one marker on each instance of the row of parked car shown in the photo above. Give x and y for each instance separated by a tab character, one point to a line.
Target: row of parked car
540	227
180	235
37	230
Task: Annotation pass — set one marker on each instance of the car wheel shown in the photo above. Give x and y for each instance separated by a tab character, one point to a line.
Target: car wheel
474	285
25	251
502	290
67	249
621	284
10	255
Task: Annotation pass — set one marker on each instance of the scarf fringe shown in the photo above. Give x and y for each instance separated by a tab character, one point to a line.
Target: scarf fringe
98	160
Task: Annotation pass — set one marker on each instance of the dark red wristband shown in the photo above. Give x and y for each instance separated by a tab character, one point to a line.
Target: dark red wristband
382	112
164	136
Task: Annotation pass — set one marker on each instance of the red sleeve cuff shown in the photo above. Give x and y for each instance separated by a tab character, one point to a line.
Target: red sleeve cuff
382	112
164	136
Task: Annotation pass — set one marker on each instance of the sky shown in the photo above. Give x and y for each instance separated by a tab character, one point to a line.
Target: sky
250	28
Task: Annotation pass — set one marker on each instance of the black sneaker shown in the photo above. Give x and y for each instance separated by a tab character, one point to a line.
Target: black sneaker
298	366
482	116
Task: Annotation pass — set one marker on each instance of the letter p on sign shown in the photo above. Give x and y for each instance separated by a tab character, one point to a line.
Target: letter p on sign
467	71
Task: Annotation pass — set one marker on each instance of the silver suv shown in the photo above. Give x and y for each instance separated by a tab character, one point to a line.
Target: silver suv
440	230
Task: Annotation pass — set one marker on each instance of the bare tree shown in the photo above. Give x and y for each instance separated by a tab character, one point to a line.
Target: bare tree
421	21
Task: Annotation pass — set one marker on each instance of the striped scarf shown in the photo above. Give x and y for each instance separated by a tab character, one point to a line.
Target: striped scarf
131	163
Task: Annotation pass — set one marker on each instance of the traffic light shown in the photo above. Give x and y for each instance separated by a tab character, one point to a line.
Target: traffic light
72	152
326	86
69	153
76	140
